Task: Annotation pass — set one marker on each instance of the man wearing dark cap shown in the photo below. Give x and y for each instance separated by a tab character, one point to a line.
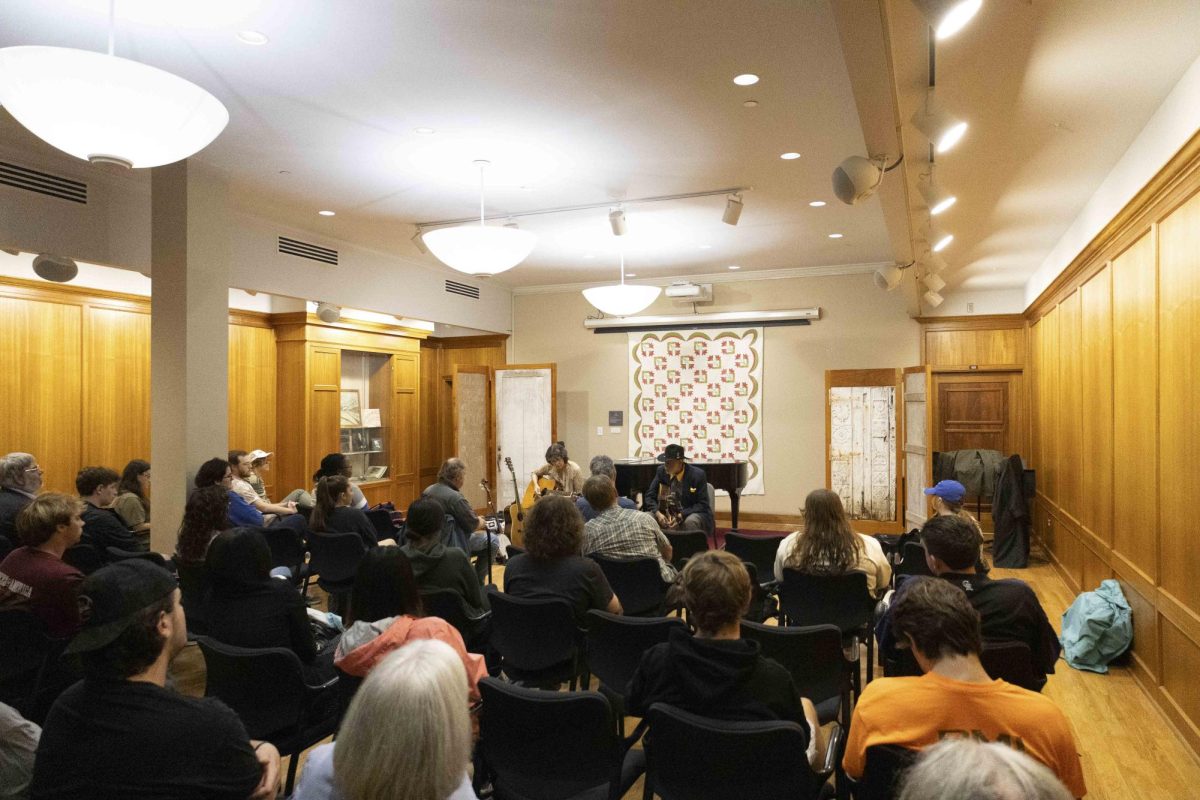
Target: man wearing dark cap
678	495
119	732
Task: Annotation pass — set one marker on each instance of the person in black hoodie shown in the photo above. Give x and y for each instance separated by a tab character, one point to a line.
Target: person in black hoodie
715	673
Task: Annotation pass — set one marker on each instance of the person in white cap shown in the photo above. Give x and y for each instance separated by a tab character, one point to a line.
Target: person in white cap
258	462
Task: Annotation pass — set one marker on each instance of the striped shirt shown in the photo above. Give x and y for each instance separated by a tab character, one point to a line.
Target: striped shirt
622	533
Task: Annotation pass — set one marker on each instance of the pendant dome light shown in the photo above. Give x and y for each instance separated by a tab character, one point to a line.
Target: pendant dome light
621	299
105	109
480	249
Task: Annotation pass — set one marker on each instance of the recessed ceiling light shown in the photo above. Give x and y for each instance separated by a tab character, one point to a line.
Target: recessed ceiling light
835	236
790	156
746	79
252	37
630	274
817	203
734	266
327	213
424	131
706	247
751	104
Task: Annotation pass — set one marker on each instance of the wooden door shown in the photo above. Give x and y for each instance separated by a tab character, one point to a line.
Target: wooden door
863	453
918	452
325	382
471	437
526	415
979	411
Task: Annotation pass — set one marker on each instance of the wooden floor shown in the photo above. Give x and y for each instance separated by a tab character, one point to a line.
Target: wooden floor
1129	749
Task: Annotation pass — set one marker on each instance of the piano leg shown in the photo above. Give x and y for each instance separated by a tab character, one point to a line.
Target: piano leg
734	500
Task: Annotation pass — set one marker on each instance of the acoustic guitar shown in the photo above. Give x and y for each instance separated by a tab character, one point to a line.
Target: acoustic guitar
516	511
537	489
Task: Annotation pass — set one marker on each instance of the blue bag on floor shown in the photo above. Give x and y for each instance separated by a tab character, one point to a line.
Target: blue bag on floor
1097	628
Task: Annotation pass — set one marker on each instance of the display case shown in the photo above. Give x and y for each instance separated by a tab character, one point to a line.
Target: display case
364	411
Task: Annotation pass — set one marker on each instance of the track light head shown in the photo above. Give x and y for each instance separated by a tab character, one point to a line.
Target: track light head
733	210
947	17
933	282
938	125
932	299
59	269
328	312
616	218
937	200
888	278
856	179
934	262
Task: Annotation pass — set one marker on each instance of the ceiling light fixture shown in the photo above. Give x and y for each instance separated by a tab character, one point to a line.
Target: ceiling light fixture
750	104
424	131
817	203
835	236
937	200
857	178
932	299
733	210
105	109
746	79
328	312
59	269
480	249
790	156
937	124
621	299
933	282
734	266
252	38
948	17
327	213
616	219
934	262
888	278
939	240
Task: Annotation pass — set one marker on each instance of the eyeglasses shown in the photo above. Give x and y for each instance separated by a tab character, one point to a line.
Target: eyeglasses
34	468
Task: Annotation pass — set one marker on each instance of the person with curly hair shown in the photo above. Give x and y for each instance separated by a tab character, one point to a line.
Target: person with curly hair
205	515
552	568
565	472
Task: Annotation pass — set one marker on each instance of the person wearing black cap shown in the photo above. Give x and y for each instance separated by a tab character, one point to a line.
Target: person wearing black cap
119	732
678	495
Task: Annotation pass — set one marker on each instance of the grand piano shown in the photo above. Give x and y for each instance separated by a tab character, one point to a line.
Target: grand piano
634	475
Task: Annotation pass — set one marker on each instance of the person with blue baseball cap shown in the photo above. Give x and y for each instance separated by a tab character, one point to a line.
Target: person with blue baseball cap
947	501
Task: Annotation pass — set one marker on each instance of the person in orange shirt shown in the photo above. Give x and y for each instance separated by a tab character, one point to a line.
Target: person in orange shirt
955	698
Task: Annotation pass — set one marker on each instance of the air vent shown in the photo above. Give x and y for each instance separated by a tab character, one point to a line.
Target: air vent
33	180
295	247
454	287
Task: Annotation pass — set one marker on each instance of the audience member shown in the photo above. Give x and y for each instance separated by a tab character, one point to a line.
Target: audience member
334	513
385	614
258	465
551	568
716	673
955	697
103	527
407	734
618	532
246	607
337	464
34	576
119	732
240	464
601	465
1008	608
217	472
205	515
466	532
565	473
20	481
133	504
947	501
964	768
829	546
434	565
18	744
678	495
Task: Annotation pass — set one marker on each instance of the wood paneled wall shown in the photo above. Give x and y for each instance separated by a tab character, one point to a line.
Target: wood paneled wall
439	358
1116	364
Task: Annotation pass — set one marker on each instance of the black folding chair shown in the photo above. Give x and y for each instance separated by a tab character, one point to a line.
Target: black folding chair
84	558
193	583
912	561
449	605
840	600
287	550
882	774
266	688
537	745
814	657
758	550
637	582
615	645
335	560
538	641
116	554
26	653
762	604
689	757
1012	662
381	520
346	688
684	545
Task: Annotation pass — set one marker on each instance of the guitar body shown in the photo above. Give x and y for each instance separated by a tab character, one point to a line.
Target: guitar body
534	491
516	524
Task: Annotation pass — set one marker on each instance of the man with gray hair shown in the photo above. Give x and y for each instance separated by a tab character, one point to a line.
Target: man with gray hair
602	465
467	531
20	481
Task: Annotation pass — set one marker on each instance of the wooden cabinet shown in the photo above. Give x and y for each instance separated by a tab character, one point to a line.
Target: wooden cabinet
309	385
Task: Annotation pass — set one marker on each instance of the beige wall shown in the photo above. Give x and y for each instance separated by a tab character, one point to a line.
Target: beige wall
860	327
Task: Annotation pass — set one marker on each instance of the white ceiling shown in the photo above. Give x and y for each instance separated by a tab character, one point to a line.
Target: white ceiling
597	100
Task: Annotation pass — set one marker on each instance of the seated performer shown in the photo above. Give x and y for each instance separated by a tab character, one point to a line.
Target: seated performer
566	473
678	495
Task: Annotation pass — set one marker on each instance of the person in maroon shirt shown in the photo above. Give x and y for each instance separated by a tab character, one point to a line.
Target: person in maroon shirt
34	576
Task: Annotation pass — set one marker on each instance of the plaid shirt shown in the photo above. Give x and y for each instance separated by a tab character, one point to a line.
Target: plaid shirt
623	533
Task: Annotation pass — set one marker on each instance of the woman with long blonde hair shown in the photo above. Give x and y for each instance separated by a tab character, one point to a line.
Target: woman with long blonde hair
829	546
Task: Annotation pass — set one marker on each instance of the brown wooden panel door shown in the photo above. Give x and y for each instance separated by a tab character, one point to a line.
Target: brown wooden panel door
116	390
973	415
325	375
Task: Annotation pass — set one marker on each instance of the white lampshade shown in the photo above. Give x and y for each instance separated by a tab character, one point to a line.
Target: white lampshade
106	109
939	240
621	299
938	125
480	249
888	278
934	282
936	200
934	262
932	299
